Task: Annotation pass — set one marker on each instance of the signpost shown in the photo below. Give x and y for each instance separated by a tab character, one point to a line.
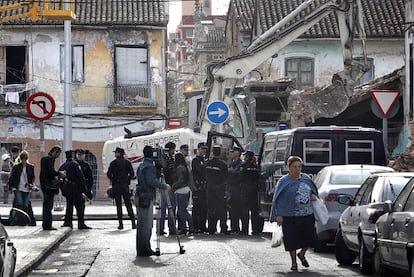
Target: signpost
41	106
385	100
217	112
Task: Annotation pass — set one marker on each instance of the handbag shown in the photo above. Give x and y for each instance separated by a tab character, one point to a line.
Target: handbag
320	211
277	236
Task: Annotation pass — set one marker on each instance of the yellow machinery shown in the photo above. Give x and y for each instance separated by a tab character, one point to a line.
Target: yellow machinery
35	9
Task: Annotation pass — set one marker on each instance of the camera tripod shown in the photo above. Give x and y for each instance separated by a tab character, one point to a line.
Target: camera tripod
170	214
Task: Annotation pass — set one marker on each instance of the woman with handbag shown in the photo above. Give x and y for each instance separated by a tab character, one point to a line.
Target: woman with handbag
292	209
21	181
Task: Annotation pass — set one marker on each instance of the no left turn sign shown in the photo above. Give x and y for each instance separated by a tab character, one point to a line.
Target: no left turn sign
40	106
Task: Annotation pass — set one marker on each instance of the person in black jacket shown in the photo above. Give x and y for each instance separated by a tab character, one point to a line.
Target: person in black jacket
47	175
86	170
216	176
233	189
120	172
199	210
73	188
21	181
249	195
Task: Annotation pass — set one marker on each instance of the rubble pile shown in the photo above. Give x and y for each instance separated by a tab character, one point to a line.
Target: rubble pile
405	161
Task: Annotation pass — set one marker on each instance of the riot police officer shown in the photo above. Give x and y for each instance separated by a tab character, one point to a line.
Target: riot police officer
199	211
249	195
86	170
216	176
234	187
73	188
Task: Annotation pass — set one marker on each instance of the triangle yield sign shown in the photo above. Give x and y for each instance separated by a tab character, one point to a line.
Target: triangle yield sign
385	99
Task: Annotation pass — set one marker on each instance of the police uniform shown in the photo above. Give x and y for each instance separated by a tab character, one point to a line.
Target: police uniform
87	173
249	196
120	172
199	210
216	176
72	189
234	186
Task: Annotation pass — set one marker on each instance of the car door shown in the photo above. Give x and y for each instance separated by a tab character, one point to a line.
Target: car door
401	230
351	215
394	231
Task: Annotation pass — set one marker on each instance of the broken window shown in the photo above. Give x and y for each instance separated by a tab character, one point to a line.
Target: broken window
301	69
77	64
368	76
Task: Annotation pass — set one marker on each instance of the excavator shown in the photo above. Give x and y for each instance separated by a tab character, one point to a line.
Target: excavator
302	106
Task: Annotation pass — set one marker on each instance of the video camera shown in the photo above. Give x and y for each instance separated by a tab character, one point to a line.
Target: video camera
159	159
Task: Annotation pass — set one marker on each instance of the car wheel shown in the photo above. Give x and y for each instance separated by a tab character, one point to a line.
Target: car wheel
365	258
379	269
343	255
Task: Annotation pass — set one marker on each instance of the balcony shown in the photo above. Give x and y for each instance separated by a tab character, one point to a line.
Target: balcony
13	98
133	98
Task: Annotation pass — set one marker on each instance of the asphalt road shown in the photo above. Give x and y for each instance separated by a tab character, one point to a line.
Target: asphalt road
106	251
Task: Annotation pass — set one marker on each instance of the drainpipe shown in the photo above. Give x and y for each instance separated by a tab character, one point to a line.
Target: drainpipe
164	74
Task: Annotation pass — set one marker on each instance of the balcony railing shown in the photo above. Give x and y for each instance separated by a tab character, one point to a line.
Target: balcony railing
134	95
15	95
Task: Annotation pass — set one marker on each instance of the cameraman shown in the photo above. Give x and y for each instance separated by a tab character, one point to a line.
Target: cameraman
145	194
170	177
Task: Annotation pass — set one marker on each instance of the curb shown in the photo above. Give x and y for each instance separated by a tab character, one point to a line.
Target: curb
25	271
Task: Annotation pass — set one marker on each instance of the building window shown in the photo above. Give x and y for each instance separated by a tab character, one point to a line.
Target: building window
131	65
368	76
189	33
301	69
78	74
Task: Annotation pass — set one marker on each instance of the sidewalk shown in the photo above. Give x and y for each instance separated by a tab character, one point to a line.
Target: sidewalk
33	244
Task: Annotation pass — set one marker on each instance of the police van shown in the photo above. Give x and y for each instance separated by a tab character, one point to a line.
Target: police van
318	146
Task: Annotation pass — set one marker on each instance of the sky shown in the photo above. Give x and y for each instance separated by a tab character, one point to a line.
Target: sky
219	7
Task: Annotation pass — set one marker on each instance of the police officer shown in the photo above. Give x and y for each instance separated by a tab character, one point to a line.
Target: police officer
234	187
249	195
199	210
72	189
169	175
120	172
86	170
216	177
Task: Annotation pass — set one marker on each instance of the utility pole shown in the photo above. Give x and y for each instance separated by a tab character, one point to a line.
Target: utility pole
67	125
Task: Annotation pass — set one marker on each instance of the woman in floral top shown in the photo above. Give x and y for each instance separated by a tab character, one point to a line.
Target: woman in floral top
292	209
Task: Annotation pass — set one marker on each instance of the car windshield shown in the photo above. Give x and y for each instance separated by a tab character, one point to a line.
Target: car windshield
348	177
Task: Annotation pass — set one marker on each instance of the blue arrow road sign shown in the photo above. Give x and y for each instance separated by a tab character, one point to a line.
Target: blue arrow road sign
217	112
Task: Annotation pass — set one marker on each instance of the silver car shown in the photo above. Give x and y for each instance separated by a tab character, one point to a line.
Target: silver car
334	182
356	230
8	254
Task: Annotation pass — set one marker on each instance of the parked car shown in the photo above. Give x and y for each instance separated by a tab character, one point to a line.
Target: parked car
394	236
333	182
8	254
356	227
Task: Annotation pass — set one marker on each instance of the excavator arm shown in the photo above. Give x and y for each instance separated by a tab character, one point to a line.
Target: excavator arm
276	38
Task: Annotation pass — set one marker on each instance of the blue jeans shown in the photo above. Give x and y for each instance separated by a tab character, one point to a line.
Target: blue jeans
21	198
144	229
183	215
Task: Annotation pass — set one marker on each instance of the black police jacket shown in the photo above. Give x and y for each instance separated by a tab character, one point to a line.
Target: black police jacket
216	174
198	169
74	175
120	172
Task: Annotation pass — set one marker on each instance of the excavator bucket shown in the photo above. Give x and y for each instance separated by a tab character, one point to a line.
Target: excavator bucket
329	101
